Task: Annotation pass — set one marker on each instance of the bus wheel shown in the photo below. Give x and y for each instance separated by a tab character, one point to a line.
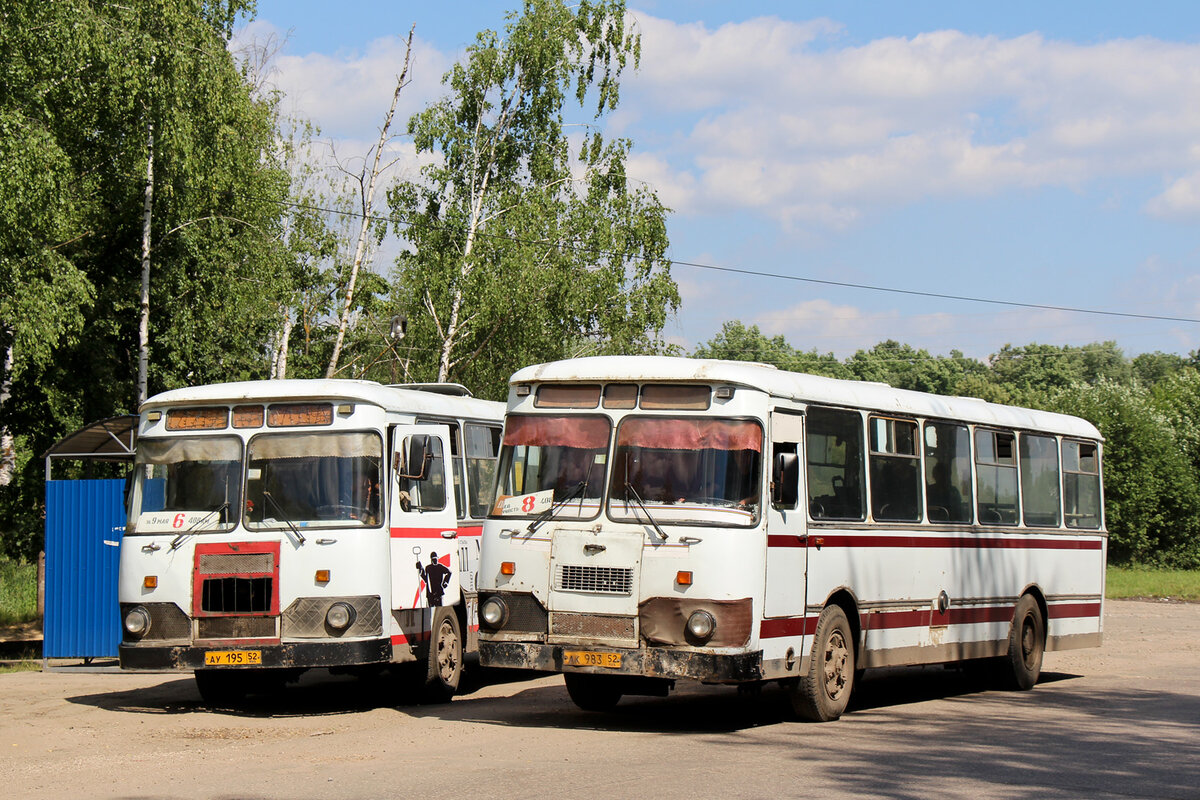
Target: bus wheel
443	667
592	692
1026	645
221	687
822	694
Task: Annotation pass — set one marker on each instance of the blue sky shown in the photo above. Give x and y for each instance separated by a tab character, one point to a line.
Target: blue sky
1042	153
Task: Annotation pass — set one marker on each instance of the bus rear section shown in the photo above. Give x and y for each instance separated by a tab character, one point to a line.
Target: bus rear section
281	526
660	519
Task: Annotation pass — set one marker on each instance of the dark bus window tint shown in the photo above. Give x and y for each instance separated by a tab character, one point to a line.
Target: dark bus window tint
620	395
996	470
947	472
567	396
895	470
1081	484
834	445
1039	480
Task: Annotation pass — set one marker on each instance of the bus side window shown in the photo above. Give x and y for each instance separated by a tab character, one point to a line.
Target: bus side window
1081	484
996	474
947	472
1039	480
428	493
482	450
895	470
834	447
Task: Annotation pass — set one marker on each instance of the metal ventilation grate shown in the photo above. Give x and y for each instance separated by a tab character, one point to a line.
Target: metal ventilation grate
602	580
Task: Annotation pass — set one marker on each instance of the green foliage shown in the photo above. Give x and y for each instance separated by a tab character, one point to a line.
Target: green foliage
519	252
82	85
18	592
1142	582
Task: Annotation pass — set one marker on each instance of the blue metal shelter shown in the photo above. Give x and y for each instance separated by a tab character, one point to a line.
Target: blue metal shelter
85	519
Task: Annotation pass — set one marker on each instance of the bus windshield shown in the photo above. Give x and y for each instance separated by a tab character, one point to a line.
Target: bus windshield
692	470
549	459
185	483
313	480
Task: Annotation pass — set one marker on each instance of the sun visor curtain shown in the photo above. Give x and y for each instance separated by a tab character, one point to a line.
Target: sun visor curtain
587	433
690	434
315	445
194	448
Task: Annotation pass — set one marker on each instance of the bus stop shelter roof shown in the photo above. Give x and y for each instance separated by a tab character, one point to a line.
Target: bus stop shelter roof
109	439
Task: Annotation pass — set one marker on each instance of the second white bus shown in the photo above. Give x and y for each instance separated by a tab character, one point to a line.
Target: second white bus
660	519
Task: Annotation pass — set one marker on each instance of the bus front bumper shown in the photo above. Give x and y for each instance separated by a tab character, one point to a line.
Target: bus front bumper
302	655
650	662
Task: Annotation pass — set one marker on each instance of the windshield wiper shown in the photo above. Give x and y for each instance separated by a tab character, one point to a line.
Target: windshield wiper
548	514
284	518
178	540
630	490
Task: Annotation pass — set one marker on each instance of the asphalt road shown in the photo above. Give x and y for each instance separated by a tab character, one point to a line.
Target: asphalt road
1119	721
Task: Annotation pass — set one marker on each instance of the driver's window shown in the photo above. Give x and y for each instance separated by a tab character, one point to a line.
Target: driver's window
429	492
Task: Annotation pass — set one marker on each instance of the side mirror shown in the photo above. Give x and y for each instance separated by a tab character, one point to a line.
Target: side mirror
418	458
785	480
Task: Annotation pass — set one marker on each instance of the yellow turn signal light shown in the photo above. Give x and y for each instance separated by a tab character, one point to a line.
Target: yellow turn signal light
683	577
322	576
508	568
150	582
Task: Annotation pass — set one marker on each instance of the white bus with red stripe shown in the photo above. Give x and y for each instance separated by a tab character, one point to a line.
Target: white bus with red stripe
660	519
277	526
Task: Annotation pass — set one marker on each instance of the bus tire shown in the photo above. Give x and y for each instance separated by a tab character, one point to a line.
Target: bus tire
823	693
1026	645
592	692
221	687
444	663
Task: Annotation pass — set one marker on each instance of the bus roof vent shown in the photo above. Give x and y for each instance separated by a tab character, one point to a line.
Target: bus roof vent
452	389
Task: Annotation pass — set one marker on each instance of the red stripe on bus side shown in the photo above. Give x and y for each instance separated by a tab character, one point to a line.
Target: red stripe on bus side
434	533
792	540
921	618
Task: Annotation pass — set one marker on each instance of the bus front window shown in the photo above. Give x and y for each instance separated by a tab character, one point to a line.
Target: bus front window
549	459
186	483
313	480
687	470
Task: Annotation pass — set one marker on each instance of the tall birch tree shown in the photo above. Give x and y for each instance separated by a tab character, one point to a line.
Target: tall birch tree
527	240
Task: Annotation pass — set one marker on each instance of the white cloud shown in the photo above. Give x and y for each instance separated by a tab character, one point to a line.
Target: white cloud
777	117
1180	200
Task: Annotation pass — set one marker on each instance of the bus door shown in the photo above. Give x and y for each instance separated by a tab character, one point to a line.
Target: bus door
787	542
425	569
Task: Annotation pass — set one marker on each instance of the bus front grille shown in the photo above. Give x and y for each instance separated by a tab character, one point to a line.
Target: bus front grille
601	580
592	626
236	628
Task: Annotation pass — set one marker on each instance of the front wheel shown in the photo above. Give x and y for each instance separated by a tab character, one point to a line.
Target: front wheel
1026	644
823	693
443	665
592	692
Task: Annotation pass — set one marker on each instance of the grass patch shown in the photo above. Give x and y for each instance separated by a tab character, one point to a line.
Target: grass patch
18	592
1176	584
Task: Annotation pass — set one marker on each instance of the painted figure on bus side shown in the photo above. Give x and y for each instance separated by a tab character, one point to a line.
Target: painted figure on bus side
436	577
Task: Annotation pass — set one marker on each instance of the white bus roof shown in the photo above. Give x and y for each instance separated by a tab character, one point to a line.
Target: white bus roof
805	388
424	401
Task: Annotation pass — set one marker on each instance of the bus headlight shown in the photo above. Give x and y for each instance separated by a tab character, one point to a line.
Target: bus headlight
340	616
493	612
137	622
701	625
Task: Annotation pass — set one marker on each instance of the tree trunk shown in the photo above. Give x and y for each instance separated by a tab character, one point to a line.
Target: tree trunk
144	324
279	363
8	451
368	209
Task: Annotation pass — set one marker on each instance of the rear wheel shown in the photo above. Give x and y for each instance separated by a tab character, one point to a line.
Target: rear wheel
1022	665
592	692
443	665
822	694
